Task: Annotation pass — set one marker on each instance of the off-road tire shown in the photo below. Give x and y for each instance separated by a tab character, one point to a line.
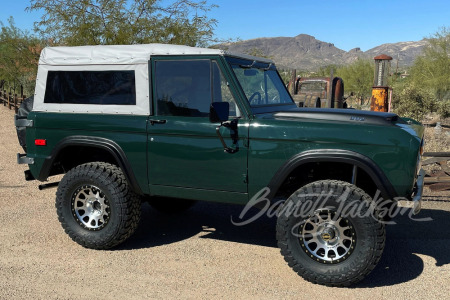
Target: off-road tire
170	206
364	251
123	205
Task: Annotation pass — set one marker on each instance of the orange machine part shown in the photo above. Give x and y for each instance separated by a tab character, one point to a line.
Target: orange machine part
379	100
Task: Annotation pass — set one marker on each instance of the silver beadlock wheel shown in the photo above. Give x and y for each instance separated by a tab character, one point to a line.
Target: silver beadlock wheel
329	233
96	207
90	207
327	237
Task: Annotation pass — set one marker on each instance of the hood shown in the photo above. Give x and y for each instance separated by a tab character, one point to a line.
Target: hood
348	117
341	115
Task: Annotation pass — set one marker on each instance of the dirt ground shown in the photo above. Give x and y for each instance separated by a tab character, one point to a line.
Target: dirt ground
199	254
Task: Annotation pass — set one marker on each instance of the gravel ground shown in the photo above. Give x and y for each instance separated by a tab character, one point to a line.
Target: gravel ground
197	255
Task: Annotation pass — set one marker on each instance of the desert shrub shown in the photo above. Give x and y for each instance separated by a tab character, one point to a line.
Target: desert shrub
413	102
444	109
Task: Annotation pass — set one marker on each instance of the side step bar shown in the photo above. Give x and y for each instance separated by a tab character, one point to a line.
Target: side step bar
48	185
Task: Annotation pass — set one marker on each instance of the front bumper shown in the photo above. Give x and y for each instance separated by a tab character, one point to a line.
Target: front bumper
416	202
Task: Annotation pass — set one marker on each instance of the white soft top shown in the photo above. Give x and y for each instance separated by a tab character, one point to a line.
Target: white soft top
123	54
103	58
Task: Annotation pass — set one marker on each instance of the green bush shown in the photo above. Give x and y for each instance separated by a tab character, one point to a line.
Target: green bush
444	109
414	102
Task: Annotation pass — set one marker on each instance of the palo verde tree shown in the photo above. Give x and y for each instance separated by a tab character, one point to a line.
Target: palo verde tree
109	22
427	89
19	56
431	70
325	71
358	78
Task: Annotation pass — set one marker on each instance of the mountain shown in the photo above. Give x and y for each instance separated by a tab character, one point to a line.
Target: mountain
307	53
405	52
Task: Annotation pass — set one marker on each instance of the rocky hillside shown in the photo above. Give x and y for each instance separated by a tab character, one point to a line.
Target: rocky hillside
405	52
307	53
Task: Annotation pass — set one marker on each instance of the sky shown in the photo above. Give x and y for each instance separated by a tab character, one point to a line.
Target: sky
347	24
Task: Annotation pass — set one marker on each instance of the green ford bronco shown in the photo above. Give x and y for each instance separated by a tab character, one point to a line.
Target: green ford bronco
172	125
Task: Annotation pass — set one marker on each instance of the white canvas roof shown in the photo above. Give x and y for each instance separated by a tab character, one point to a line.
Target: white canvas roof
103	58
122	54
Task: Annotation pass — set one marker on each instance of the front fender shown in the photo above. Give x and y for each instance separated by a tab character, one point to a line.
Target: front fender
334	155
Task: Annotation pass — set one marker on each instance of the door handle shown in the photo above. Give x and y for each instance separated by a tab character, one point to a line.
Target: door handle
153	122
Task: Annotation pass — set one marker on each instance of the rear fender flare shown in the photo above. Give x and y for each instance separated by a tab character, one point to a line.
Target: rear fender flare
97	142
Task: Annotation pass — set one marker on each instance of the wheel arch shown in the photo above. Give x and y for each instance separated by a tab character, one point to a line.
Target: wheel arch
113	153
333	156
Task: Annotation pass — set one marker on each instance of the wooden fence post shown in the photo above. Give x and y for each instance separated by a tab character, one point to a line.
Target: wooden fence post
9	100
292	80
22	96
15	103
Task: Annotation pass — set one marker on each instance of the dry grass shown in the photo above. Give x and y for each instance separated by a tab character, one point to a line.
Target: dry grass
435	141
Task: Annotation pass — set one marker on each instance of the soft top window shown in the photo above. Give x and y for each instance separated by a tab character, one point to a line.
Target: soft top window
91	87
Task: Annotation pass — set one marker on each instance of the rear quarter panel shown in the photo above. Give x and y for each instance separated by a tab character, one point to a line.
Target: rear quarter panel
129	132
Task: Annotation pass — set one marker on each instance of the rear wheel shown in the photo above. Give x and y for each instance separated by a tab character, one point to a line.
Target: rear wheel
329	233
96	207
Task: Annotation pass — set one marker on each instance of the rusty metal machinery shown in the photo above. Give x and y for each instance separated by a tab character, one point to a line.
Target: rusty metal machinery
437	180
319	92
380	90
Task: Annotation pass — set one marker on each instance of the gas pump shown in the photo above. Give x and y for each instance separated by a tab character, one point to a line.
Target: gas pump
380	89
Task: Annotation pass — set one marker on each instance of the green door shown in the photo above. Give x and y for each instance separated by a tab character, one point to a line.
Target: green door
184	152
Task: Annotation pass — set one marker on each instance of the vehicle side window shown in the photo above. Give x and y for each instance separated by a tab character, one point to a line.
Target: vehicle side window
222	92
188	87
91	87
183	88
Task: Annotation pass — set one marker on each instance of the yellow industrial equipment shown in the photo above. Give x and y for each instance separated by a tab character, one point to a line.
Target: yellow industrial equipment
380	90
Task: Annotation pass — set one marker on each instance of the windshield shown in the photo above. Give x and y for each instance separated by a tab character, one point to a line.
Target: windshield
261	83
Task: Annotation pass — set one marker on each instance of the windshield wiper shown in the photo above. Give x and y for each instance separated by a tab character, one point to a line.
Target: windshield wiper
266	69
254	62
247	66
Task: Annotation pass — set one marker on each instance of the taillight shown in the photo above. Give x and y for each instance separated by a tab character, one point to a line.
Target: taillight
40	142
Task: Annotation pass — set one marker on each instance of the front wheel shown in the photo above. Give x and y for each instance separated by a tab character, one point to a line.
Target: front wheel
329	233
96	207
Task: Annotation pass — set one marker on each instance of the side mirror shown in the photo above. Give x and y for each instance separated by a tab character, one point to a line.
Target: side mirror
219	112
